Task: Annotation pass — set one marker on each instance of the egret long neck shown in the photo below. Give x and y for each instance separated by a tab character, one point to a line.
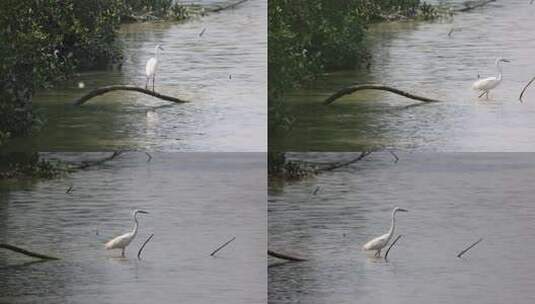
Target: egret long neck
393	226
136	225
156	52
499	70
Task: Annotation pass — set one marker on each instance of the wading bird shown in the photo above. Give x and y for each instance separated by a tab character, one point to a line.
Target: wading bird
487	84
380	242
124	240
152	66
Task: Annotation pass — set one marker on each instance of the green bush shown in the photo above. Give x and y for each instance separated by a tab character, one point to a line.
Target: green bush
43	41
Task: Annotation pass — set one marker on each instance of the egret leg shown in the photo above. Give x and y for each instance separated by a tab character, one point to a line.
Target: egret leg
487	95
378	253
147	82
484	92
122	253
153	79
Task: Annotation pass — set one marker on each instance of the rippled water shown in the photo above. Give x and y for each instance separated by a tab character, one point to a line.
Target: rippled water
196	202
222	73
453	199
420	57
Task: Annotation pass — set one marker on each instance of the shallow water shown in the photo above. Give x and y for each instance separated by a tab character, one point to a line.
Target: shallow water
421	58
453	199
222	73
196	202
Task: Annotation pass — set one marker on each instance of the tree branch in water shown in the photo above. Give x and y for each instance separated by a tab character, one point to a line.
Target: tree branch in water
470	5
225	7
360	87
525	88
391	245
285	256
143	246
469	247
107	89
222	246
27	252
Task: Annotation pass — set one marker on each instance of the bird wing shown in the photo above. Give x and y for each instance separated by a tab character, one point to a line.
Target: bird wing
119	242
483	84
376	243
152	65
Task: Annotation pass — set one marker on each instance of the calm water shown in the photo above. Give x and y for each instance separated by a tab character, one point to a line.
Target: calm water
196	202
421	58
453	199
222	73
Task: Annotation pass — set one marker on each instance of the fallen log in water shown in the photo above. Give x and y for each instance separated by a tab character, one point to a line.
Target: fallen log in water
27	252
106	89
380	87
285	256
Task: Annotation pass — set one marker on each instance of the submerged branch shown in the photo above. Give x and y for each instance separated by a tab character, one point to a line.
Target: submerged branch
285	256
338	165
90	163
469	247
225	7
525	88
27	252
360	87
106	89
222	246
470	5
143	246
391	245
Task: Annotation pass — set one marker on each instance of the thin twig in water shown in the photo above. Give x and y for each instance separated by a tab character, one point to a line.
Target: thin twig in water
143	246
396	158
149	157
221	247
469	247
316	190
391	245
69	190
525	88
202	32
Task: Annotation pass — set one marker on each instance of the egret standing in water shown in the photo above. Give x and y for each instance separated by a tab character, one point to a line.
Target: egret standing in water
152	66
124	240
381	242
487	84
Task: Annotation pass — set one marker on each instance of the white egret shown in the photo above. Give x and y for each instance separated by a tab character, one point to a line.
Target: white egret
487	84
124	240
152	66
380	242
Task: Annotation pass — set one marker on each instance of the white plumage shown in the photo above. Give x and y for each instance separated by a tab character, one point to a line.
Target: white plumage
122	241
487	84
380	242
152	66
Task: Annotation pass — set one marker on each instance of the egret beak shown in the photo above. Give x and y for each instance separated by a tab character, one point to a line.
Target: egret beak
160	47
506	60
403	210
144	212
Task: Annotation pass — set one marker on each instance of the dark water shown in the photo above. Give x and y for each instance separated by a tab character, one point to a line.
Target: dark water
421	58
196	202
223	73
453	199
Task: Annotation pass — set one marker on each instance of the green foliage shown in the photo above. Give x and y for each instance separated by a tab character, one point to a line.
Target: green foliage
162	9
22	165
45	41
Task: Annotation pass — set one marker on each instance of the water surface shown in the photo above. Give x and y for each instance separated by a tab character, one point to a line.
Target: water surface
196	203
453	199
